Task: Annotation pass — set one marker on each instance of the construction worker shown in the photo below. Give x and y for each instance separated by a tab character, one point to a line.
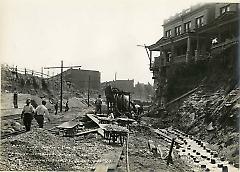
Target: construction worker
98	104
56	108
41	111
66	107
15	98
27	114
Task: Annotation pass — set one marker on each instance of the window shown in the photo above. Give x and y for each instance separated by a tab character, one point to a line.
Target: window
168	33
187	26
178	30
225	9
168	56
199	22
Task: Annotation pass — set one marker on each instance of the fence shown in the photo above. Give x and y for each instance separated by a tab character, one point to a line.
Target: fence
26	71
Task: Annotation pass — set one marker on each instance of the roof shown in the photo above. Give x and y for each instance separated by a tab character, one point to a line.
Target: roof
226	18
167	40
186	12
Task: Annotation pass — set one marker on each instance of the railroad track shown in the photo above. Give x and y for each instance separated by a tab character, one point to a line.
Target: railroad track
127	160
13	117
196	151
7	135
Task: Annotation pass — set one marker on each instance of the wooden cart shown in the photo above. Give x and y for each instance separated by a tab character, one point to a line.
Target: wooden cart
69	128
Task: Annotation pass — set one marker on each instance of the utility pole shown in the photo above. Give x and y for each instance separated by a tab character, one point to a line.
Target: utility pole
61	80
148	54
61	96
42	72
89	78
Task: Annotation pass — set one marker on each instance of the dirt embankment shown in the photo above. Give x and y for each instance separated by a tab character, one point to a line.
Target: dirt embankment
211	113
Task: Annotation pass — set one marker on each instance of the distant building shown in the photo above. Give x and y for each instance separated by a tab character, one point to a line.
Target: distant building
80	79
124	85
143	91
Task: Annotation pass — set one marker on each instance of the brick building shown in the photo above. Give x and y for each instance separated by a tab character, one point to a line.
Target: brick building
80	78
192	35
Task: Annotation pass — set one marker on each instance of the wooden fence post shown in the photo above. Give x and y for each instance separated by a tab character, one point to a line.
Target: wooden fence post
169	158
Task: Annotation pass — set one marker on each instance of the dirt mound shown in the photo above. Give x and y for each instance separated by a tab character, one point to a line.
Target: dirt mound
75	102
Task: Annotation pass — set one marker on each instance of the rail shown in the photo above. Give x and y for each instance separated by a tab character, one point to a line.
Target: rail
225	43
127	160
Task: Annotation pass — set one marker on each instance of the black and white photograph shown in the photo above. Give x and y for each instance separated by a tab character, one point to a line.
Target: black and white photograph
120	85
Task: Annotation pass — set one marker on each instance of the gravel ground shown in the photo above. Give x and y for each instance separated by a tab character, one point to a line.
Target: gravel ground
41	150
140	157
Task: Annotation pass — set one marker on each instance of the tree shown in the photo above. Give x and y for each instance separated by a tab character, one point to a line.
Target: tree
22	82
44	84
35	84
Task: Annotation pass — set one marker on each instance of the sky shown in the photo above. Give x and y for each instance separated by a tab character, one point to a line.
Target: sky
98	35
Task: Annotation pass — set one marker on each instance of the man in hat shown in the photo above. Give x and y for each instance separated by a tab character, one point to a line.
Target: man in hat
98	104
41	111
27	114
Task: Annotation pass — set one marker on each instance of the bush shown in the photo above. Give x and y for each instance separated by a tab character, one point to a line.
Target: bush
44	84
35	84
22	82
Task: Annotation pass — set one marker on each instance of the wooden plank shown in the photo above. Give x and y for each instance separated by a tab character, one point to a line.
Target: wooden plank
102	126
86	132
100	131
68	125
182	96
93	118
159	151
114	157
126	120
151	146
101	168
109	160
169	139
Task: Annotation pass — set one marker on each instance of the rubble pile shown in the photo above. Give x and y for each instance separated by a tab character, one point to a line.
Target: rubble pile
213	117
41	150
199	104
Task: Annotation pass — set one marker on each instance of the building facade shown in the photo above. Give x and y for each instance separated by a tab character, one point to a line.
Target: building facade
83	79
123	85
192	35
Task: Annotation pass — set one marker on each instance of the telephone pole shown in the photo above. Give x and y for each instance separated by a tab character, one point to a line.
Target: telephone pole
61	96
89	78
61	79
